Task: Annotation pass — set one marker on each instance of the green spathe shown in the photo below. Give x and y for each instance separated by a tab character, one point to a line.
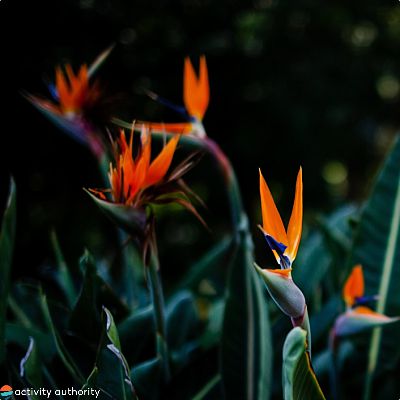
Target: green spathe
287	296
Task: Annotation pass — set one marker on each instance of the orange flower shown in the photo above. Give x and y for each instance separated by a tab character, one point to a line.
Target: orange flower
131	175
75	99
136	182
196	96
73	91
284	245
358	317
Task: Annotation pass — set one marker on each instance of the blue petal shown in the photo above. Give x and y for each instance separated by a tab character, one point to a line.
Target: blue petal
53	91
179	109
364	300
280	249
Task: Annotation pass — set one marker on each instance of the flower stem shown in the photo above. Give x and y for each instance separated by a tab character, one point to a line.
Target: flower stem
333	370
157	298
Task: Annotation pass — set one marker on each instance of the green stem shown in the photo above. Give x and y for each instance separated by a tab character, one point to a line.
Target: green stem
333	368
231	182
157	297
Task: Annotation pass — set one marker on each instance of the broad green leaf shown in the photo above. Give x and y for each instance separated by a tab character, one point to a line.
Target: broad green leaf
113	375
63	274
377	248
182	319
85	317
7	236
137	333
298	378
61	350
30	367
19	334
149	378
246	338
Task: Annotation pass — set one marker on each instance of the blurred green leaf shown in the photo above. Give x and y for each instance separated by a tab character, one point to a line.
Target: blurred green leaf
219	255
85	317
136	333
246	338
61	349
298	377
377	248
19	334
7	237
208	388
63	274
182	319
90	383
148	378
30	367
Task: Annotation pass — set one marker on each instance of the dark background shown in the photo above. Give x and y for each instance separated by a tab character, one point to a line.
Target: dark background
306	83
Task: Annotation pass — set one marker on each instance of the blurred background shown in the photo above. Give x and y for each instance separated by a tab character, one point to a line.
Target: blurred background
308	83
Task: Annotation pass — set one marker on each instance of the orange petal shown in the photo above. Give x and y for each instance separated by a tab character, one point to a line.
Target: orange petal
162	162
296	219
272	222
63	89
180	128
368	311
354	286
284	272
196	92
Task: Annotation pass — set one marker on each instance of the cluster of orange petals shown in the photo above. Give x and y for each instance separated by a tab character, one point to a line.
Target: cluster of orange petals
272	222
354	286
354	289
131	175
74	91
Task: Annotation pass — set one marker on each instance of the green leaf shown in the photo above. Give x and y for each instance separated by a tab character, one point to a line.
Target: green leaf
208	388
63	275
137	333
149	378
61	349
19	334
85	317
113	377
298	378
30	367
209	263
182	319
246	337
377	248
7	237
125	217
90	384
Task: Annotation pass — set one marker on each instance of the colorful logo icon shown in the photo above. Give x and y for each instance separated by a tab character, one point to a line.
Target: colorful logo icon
6	392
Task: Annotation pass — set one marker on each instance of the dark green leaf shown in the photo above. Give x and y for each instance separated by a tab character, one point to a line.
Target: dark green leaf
63	274
148	378
137	333
30	366
182	319
85	317
61	350
246	338
113	376
377	248
7	236
298	377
